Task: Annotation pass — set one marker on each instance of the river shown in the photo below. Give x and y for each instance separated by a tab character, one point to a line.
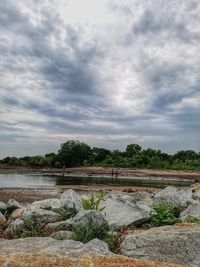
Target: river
34	181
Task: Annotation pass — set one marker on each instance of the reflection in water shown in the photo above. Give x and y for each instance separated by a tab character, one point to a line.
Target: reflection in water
117	181
25	180
30	181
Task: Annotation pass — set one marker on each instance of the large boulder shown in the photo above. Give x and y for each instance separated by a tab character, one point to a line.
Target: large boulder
70	199
120	213
48	252
41	215
192	212
174	196
172	244
53	204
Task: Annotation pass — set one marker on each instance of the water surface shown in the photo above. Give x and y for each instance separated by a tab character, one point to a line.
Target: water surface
32	181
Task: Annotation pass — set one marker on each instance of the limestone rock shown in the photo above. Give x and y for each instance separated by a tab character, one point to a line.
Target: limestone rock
192	211
49	246
70	199
14	229
44	216
62	235
142	197
172	244
58	226
89	224
2	207
17	213
174	196
53	204
2	220
48	252
119	213
12	205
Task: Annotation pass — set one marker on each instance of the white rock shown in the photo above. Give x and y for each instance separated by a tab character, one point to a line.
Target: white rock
174	196
172	244
119	213
70	199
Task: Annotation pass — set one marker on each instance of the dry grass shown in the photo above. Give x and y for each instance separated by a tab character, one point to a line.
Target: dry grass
27	260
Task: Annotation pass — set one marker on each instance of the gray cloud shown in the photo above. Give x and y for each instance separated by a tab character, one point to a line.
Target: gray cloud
131	75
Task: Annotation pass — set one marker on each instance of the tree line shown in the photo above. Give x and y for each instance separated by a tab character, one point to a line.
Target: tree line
75	154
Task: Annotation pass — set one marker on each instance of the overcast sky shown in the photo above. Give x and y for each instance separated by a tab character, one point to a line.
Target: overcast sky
104	72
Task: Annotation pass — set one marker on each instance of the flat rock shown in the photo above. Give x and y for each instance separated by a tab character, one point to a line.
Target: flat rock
48	252
172	244
123	213
174	196
50	246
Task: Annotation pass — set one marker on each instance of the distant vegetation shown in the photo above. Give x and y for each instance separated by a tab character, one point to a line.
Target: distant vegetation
75	154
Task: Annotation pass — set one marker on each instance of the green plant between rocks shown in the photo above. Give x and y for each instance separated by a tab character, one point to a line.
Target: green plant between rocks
113	242
65	214
164	214
191	219
89	232
93	202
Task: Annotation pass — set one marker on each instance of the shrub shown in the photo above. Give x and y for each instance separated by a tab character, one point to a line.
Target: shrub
164	214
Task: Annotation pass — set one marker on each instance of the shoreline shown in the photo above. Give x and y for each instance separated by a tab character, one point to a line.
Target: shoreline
103	171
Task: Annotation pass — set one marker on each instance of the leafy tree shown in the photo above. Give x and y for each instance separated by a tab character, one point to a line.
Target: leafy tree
73	153
132	150
100	154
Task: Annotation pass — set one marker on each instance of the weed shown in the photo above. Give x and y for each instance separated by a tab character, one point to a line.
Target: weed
93	202
163	214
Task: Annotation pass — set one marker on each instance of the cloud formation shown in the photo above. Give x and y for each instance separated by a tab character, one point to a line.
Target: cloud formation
104	72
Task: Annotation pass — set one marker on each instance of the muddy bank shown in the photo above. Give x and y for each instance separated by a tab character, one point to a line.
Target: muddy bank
88	171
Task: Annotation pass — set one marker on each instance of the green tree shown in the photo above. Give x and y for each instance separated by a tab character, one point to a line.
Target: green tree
132	150
73	153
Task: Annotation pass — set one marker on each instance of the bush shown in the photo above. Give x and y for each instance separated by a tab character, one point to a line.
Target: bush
164	214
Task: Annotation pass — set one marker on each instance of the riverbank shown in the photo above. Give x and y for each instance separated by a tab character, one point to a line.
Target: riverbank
88	171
